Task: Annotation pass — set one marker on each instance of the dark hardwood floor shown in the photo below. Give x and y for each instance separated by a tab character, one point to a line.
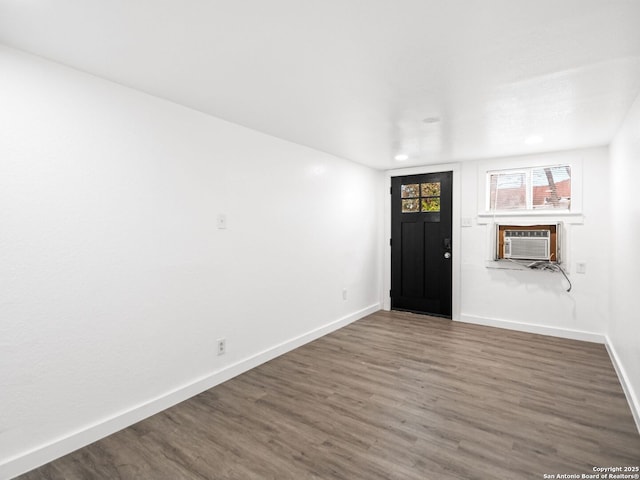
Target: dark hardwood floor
392	396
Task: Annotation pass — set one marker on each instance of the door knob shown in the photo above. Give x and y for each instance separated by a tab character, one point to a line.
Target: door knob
447	255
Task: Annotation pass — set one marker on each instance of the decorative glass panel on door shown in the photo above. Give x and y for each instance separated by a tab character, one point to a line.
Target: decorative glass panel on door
431	189
411	191
430	193
411	206
431	204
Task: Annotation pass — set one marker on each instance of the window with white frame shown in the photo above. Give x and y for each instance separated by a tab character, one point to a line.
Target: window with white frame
535	188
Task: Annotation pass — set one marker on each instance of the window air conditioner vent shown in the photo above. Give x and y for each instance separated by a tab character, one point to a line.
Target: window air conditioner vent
527	244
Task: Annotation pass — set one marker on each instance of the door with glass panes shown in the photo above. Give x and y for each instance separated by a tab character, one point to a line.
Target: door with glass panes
421	250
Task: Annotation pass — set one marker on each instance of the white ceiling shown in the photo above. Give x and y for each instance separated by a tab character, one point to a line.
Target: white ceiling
357	78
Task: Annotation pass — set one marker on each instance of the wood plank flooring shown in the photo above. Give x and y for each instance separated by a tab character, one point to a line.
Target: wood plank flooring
392	396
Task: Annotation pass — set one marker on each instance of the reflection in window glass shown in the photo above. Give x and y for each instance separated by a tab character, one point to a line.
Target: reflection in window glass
410	206
508	191
551	187
410	191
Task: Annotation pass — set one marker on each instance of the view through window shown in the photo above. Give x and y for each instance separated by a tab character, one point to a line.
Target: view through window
536	188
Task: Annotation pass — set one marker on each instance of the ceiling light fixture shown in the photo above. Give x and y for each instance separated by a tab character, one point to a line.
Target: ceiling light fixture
431	120
401	157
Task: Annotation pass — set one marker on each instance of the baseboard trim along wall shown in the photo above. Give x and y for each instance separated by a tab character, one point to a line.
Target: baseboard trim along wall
534	328
632	398
102	428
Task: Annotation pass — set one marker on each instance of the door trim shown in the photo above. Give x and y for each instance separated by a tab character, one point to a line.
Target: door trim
455	168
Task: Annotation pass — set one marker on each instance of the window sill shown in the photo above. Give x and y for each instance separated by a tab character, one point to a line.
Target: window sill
574	218
503	264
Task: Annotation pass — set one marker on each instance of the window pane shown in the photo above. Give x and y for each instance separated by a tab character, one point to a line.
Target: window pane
410	191
552	187
431	204
431	189
410	206
508	191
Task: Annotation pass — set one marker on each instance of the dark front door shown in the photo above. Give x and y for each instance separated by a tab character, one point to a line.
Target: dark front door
421	243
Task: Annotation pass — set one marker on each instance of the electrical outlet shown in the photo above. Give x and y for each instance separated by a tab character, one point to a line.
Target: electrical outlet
222	346
581	267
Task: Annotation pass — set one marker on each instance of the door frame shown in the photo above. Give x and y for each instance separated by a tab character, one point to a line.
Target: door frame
455	168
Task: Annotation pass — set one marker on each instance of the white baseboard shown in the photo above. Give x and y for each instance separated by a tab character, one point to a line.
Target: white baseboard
534	328
632	398
61	446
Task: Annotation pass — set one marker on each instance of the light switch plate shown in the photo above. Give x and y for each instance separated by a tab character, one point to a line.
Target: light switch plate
222	221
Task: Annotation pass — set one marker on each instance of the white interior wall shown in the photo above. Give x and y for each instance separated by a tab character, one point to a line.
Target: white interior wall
115	282
624	329
531	300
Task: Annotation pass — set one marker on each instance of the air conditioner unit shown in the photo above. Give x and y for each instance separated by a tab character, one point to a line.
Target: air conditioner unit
527	244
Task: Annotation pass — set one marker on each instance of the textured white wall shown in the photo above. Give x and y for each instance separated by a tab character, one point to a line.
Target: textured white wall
624	331
115	282
538	300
